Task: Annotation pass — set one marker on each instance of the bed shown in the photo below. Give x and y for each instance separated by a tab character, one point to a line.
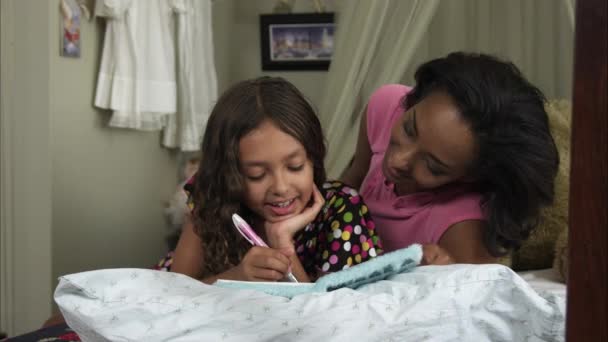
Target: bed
435	303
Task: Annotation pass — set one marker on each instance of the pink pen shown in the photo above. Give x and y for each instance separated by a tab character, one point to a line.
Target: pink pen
247	232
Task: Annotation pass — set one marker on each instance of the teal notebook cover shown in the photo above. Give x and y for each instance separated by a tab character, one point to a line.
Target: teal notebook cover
379	268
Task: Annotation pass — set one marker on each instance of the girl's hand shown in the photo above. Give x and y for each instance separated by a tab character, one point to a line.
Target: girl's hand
280	234
262	264
435	255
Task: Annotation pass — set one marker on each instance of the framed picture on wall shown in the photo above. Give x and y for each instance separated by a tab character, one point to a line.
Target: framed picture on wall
297	41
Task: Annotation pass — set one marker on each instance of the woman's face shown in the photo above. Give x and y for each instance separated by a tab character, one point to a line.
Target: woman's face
277	172
430	146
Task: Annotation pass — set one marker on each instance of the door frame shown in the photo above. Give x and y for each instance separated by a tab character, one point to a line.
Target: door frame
25	165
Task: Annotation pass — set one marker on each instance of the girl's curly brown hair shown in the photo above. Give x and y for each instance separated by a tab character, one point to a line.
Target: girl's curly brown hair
219	188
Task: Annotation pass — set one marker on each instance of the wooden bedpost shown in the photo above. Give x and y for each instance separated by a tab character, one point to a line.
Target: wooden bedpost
588	234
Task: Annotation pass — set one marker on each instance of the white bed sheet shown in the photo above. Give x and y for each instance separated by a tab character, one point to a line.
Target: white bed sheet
545	280
431	303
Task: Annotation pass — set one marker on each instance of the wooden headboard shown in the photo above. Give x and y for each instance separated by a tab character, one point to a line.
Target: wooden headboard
588	232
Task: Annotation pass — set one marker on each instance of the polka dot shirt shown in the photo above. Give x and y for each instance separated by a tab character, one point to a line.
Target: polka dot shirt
342	235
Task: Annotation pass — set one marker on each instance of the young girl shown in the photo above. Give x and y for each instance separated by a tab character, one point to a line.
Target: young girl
464	160
262	158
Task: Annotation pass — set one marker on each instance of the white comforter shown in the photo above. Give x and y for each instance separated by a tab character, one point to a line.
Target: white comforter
431	303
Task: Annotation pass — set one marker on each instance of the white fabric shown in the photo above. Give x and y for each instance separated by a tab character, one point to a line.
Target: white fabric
113	9
432	303
137	73
374	44
545	280
196	76
570	9
150	79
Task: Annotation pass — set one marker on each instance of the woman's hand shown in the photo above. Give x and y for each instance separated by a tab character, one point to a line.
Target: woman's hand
280	234
435	255
262	264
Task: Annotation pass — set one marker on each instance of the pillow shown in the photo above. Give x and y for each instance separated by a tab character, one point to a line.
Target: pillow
539	251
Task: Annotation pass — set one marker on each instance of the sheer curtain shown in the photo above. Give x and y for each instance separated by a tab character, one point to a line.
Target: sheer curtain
374	45
569	5
382	42
535	35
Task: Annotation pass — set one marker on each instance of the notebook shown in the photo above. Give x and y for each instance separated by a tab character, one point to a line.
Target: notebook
379	268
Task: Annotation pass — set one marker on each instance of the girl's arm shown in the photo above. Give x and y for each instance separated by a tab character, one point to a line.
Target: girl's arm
259	264
298	270
464	243
355	174
188	256
344	235
280	234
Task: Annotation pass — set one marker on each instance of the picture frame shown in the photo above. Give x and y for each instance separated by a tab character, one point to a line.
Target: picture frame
302	41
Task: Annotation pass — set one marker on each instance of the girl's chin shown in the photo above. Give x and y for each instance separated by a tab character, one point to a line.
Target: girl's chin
277	214
272	218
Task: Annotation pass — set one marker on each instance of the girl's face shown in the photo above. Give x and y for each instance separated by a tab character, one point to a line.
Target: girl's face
277	172
430	146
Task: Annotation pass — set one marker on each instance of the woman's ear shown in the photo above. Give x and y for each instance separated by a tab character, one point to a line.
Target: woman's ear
471	176
469	179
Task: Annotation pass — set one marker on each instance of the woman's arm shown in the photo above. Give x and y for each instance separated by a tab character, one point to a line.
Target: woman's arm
464	243
355	174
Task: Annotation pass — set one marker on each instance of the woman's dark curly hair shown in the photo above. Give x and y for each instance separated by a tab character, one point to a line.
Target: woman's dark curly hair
219	189
517	158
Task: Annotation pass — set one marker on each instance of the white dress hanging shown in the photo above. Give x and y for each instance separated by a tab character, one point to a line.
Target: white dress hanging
137	73
196	77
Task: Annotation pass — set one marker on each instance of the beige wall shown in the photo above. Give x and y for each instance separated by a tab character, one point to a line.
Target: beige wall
83	196
108	184
25	168
243	44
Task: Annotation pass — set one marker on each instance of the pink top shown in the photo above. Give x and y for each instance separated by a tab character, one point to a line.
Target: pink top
420	217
